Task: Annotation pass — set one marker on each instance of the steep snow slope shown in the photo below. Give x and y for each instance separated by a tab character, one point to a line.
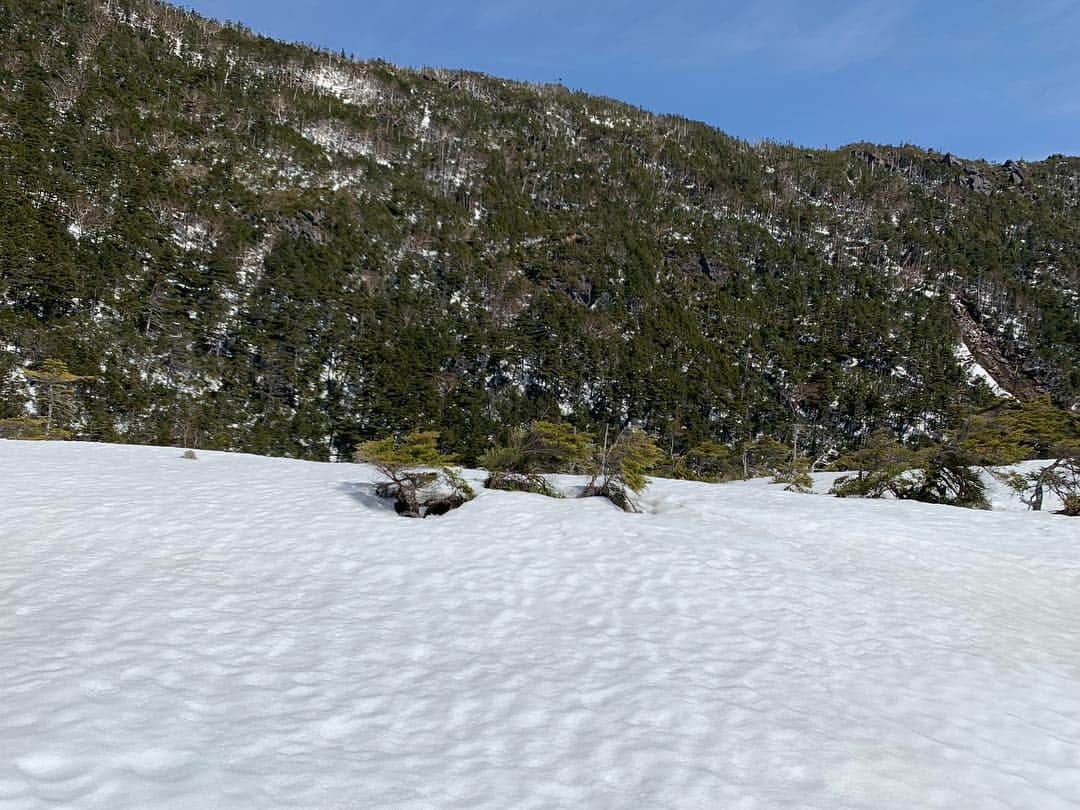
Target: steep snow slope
250	632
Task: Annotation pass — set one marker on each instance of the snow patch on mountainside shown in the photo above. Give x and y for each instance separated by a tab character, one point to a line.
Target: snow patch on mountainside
250	632
339	139
976	372
346	85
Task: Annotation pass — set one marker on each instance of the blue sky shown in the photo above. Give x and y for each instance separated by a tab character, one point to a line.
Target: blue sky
988	79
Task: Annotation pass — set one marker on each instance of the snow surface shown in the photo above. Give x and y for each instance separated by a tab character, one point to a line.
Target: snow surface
245	632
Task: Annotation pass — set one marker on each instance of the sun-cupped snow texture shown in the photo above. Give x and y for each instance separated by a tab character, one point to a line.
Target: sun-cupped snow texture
244	632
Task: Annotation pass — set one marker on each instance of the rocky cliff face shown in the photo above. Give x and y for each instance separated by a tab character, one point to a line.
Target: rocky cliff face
257	245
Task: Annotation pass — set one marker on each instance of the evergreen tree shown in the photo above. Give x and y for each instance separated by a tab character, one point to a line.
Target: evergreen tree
880	468
765	456
542	447
1061	477
1014	431
949	477
944	475
418	476
708	461
55	384
620	468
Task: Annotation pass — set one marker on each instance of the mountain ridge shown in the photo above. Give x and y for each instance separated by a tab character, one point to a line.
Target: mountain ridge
262	246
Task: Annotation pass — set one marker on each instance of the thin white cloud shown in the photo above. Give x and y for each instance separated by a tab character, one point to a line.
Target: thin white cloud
786	36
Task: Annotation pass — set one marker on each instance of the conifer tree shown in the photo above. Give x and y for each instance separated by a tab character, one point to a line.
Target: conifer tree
1016	430
795	474
621	466
764	456
949	477
418	476
1061	477
879	466
55	383
945	475
708	461
542	447
23	427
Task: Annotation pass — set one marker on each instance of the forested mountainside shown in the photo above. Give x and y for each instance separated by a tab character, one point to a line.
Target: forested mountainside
261	246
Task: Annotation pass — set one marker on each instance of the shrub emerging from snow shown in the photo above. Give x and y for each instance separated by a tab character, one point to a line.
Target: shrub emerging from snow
880	468
796	474
1071	505
55	386
944	475
27	427
708	461
1061	477
418	476
765	456
542	447
949	477
620	468
449	491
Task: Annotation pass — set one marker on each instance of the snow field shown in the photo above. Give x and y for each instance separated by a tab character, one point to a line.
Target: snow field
244	632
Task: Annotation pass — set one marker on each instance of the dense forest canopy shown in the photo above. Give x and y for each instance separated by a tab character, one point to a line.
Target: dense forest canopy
246	244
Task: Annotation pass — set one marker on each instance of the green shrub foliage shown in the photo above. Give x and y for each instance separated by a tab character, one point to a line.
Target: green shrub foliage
945	475
56	406
417	475
1014	431
765	456
880	468
542	447
796	475
1061	477
620	468
949	477
708	461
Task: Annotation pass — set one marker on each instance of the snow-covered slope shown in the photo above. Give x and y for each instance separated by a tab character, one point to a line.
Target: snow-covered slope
243	632
976	372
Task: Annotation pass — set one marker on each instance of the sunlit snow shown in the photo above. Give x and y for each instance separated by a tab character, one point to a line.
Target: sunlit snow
245	632
976	373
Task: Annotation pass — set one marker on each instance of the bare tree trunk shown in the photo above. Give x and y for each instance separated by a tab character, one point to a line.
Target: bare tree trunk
49	416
